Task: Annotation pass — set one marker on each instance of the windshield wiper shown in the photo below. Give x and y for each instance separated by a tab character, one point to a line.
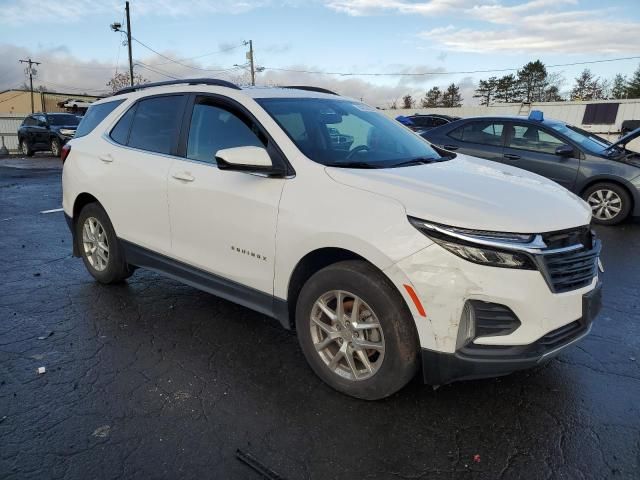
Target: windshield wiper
351	165
417	161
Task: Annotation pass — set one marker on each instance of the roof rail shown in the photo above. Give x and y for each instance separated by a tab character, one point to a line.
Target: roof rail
310	89
188	81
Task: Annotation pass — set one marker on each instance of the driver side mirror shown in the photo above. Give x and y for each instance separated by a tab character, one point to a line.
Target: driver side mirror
564	151
247	159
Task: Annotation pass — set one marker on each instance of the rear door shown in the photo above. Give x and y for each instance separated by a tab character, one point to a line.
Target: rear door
478	138
223	222
532	147
134	165
40	132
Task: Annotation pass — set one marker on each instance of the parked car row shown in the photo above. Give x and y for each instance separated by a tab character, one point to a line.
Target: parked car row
387	255
604	174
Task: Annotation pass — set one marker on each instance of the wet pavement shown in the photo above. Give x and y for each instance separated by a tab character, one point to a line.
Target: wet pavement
154	379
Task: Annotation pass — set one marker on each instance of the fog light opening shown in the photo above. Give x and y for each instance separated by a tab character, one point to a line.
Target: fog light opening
467	326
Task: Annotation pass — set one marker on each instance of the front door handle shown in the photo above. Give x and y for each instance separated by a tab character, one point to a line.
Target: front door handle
511	156
106	158
450	147
184	176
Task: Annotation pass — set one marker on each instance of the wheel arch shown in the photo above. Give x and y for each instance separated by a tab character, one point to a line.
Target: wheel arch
83	199
614	180
315	261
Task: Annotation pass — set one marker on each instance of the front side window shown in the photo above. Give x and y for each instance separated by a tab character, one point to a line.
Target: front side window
215	128
482	132
587	140
349	134
530	137
95	114
156	122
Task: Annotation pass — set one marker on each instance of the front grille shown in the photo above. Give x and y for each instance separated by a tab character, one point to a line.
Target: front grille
566	238
571	270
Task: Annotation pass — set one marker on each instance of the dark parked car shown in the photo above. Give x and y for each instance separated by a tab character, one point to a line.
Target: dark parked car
420	123
46	131
605	174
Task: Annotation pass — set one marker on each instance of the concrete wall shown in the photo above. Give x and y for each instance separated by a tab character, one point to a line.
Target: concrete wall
570	112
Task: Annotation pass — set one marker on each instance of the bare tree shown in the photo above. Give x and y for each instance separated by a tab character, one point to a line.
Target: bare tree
121	80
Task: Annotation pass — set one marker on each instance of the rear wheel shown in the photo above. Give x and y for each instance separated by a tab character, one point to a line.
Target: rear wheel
56	147
99	246
356	331
610	203
25	148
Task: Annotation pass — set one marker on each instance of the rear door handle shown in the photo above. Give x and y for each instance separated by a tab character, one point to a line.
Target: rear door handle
184	176
450	147
106	158
511	156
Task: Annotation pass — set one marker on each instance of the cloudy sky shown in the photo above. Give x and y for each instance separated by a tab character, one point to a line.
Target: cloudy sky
446	38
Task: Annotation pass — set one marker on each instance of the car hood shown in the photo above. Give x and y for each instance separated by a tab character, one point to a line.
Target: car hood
622	141
66	127
468	192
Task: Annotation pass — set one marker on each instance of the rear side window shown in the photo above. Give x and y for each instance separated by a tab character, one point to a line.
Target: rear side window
120	132
485	133
95	115
156	122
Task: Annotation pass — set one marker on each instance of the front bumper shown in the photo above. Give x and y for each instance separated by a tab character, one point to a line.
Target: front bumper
476	361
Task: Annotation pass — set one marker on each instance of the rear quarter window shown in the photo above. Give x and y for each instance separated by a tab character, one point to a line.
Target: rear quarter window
95	115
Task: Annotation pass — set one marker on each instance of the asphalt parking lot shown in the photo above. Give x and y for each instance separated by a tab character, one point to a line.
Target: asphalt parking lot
154	379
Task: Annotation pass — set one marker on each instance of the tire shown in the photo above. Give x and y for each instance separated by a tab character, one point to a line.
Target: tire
610	203
25	148
393	366
112	270
56	147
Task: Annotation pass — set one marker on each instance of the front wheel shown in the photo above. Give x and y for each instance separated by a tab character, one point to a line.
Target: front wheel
56	147
356	332
610	203
25	148
99	246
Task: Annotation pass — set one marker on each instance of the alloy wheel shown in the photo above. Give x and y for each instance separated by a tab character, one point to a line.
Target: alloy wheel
347	335
25	148
605	204
95	244
55	149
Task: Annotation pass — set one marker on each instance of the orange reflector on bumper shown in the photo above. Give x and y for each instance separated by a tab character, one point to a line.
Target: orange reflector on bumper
416	300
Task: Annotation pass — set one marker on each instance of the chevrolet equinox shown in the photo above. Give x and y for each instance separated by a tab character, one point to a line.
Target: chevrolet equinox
385	254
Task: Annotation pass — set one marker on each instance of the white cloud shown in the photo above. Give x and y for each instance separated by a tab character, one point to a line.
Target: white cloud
372	7
69	11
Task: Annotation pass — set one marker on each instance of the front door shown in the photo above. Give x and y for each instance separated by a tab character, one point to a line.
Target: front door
223	222
533	148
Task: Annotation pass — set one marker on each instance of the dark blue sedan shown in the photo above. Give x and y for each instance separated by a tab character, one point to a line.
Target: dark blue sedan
605	174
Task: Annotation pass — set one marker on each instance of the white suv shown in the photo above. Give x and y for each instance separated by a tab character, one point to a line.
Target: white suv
385	256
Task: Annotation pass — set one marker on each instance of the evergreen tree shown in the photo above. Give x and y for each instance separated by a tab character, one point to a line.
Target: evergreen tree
587	87
633	87
619	88
451	97
508	90
486	91
533	81
433	98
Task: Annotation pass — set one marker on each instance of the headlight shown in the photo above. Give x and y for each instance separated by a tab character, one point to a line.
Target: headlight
494	249
66	132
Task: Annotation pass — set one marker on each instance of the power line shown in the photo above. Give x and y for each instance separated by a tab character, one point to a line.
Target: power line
223	50
420	74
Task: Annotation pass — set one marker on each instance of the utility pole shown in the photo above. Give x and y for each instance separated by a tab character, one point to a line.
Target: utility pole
251	64
31	71
129	42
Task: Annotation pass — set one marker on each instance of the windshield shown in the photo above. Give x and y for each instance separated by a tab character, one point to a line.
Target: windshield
347	134
63	119
587	140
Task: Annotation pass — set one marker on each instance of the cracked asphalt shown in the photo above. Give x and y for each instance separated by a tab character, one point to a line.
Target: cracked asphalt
154	379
